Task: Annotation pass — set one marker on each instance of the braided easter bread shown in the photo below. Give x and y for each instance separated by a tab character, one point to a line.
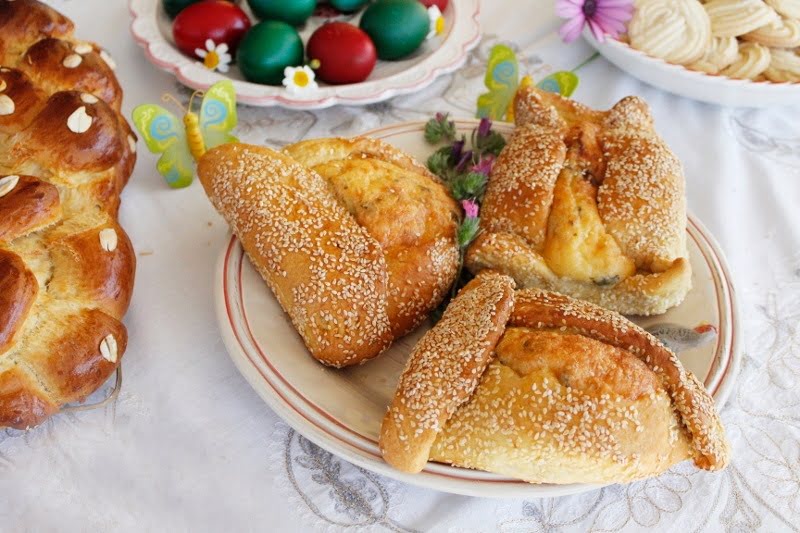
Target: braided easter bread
66	266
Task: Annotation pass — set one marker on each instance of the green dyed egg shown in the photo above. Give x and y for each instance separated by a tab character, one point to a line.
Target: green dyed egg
267	49
397	27
294	12
348	6
173	7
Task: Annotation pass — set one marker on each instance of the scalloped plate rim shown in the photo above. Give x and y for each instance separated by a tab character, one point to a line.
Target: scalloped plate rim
444	60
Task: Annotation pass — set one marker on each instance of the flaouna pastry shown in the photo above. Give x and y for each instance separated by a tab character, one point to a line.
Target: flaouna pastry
66	265
544	388
587	203
356	240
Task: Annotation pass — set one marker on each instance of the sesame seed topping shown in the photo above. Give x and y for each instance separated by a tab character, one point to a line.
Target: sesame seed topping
616	235
570	397
445	367
358	250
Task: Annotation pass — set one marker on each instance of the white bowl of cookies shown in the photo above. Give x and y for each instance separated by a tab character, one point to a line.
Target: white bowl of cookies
728	52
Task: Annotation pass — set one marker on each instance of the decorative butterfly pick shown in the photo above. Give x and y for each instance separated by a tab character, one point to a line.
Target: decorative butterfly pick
182	143
502	79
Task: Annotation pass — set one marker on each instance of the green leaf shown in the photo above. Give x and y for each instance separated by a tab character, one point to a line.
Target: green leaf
439	129
491	144
469	185
467	231
440	162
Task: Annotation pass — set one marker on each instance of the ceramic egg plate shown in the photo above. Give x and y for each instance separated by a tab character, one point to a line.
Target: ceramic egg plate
341	410
152	29
679	80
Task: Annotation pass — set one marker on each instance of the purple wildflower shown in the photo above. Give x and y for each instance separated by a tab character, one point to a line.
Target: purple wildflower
470	208
484	166
458	149
485	127
466	157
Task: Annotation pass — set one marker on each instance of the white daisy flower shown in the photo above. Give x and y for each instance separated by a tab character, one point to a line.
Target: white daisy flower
299	79
437	21
215	56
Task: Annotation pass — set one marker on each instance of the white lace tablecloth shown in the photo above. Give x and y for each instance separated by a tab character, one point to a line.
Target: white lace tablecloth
188	446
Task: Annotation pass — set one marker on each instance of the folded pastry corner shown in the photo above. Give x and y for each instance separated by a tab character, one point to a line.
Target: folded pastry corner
587	203
570	393
444	369
324	269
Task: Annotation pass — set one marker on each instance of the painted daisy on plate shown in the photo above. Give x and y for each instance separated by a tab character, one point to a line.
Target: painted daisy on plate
215	56
298	80
437	21
604	17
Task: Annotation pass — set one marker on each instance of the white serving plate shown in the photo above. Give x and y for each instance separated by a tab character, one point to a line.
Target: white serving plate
151	27
341	410
692	84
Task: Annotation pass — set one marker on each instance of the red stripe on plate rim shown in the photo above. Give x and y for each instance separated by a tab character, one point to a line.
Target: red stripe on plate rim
368	445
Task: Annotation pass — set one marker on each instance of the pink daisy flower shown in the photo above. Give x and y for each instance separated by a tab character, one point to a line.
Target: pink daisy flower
604	17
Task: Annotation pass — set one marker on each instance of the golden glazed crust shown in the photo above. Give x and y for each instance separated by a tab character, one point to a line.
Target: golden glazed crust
403	207
587	203
575	394
317	151
563	408
444	369
357	245
66	266
326	271
710	448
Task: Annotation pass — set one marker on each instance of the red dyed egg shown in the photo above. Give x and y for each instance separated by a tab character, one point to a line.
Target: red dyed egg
441	3
220	21
345	53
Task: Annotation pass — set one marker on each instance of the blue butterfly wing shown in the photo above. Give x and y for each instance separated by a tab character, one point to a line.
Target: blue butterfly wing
502	80
218	114
164	134
562	82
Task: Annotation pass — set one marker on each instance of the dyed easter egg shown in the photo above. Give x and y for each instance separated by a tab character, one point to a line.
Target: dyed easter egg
348	6
268	48
397	27
220	21
173	7
294	12
345	53
441	4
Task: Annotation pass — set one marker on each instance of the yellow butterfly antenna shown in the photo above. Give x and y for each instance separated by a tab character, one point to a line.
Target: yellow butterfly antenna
166	98
191	98
191	124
